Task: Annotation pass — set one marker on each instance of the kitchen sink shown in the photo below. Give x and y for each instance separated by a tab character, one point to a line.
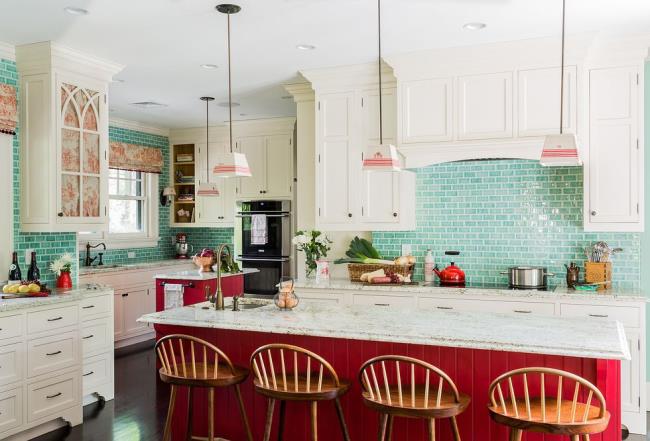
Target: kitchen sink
244	304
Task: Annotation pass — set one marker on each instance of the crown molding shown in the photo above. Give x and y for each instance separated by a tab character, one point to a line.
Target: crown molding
138	127
300	91
220	132
353	76
7	51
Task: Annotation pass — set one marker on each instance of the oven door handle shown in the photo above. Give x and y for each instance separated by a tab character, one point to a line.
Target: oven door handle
263	259
267	215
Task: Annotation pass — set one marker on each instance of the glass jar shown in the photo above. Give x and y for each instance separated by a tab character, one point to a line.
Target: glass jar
286	298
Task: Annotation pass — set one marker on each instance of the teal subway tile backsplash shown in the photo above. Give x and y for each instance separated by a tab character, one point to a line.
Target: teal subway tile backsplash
500	213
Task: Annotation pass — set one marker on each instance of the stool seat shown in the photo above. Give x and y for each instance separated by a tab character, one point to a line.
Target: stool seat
293	390
205	375
551	424
414	406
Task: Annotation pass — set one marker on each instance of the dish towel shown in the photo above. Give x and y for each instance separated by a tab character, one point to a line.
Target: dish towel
173	295
259	230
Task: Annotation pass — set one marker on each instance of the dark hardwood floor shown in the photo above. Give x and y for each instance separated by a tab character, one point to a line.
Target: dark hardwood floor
138	411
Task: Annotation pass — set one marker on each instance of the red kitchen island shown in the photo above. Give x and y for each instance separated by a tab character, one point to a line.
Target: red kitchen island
472	348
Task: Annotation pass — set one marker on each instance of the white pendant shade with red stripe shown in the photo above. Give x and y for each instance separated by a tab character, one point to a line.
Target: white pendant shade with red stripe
384	157
560	151
207	189
232	165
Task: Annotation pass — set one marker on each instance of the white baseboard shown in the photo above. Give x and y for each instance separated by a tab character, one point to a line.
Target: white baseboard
134	340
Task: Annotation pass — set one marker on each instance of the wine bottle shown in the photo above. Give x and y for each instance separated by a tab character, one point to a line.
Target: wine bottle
14	269
33	273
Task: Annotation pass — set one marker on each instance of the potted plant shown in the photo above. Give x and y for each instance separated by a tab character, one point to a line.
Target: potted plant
62	267
315	245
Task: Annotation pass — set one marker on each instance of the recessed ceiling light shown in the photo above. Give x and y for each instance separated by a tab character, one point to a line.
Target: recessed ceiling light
306	47
226	104
209	66
73	10
148	104
474	26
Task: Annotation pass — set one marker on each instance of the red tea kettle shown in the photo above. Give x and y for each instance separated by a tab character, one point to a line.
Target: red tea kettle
452	275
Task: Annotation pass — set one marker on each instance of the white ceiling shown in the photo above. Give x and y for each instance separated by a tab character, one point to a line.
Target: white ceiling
164	42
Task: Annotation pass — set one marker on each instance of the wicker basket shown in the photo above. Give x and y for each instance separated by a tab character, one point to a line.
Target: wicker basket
356	269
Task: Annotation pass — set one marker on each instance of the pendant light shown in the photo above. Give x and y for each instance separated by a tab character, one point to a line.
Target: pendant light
232	164
207	188
382	157
562	149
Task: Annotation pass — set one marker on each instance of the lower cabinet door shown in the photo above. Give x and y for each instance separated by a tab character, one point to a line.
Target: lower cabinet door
52	395
11	409
136	303
47	354
630	375
11	364
96	337
118	318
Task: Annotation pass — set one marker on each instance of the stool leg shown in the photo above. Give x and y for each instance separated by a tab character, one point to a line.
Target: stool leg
432	429
515	435
170	412
242	412
211	414
585	437
454	428
189	414
389	429
281	420
381	433
269	419
314	421
575	437
344	427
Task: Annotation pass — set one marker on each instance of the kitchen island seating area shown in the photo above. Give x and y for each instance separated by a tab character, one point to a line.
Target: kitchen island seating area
538	400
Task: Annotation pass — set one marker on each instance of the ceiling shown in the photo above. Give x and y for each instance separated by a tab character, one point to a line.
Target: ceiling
162	43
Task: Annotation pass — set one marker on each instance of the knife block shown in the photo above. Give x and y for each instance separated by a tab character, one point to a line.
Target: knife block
599	272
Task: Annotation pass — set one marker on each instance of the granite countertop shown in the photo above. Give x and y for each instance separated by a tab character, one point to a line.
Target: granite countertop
561	292
587	338
57	296
196	275
87	270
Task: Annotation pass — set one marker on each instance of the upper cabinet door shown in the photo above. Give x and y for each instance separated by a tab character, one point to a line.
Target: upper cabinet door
539	101
211	209
485	106
379	190
335	154
426	114
279	173
82	158
614	166
254	148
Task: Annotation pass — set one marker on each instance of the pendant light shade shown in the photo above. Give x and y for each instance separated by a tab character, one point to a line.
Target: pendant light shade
207	188
561	150
382	157
231	164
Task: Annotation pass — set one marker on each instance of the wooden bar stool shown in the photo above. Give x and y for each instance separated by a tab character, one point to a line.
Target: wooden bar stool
290	373
396	385
539	412
191	362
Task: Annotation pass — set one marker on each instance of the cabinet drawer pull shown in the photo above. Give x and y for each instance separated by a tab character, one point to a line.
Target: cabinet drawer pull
394	214
53	396
88	336
89	373
126	294
599	315
88	307
349	214
523	311
49	354
382	304
54	319
444	307
60	214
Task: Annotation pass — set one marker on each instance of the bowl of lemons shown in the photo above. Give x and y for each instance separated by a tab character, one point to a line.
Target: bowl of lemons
24	288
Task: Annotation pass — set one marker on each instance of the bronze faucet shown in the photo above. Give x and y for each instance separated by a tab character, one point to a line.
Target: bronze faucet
218	302
88	261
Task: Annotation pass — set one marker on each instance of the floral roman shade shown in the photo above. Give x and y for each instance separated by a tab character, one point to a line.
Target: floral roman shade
8	109
134	157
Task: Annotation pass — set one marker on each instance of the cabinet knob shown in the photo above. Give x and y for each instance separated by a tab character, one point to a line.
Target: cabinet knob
60	214
261	192
593	213
349	214
394	214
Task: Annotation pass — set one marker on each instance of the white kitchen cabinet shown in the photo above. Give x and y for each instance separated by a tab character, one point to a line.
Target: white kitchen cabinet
614	165
134	303
539	101
631	381
214	211
485	106
270	159
64	139
426	110
349	198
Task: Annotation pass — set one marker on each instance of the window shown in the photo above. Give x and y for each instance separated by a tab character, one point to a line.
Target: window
126	202
132	211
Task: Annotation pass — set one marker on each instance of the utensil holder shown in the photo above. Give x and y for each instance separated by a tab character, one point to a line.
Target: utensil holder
599	272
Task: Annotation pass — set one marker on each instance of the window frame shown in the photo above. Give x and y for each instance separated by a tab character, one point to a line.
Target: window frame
149	237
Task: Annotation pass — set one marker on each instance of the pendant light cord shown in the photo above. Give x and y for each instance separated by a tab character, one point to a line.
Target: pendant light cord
229	86
381	125
562	68
207	140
